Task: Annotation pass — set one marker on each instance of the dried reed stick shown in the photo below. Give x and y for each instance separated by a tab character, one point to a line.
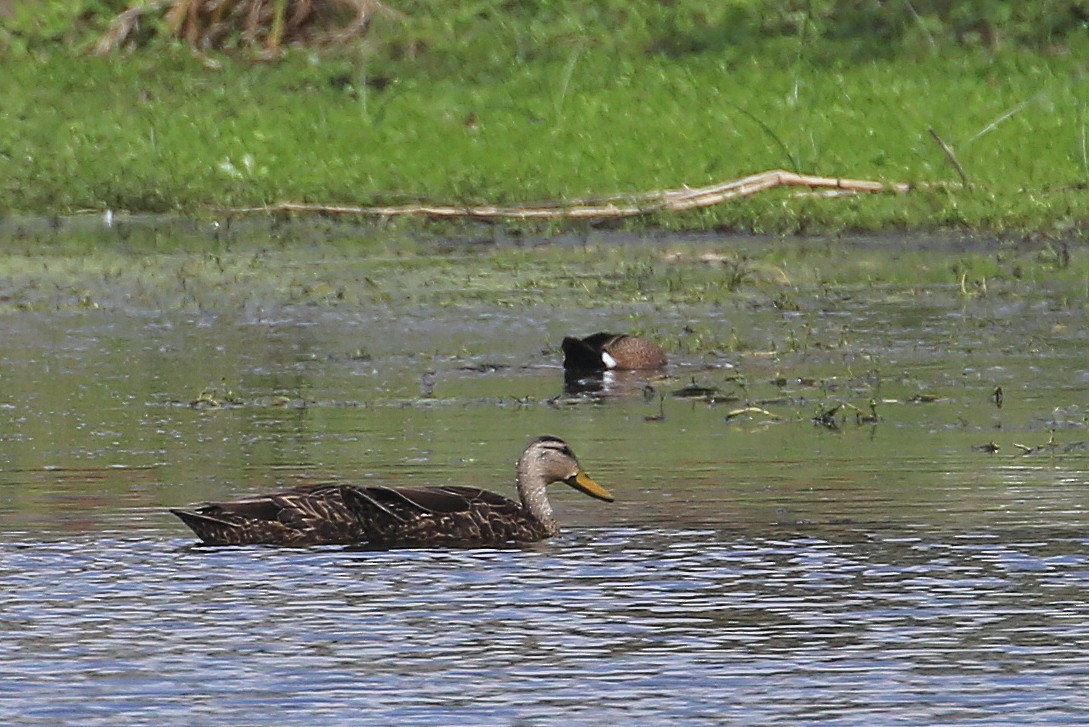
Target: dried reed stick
611	207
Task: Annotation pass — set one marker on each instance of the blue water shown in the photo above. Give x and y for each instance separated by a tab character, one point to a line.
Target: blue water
641	626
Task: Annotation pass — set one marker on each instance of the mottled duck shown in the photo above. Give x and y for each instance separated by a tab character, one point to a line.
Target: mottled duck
397	517
611	351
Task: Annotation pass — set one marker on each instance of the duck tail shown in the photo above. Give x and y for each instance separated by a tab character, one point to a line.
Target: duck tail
209	529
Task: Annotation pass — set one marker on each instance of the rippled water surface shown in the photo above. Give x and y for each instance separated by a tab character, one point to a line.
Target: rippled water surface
757	566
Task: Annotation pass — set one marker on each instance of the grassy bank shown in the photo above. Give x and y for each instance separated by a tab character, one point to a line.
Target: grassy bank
492	108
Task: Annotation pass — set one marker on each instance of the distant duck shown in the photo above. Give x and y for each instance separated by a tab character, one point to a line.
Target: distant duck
388	517
611	351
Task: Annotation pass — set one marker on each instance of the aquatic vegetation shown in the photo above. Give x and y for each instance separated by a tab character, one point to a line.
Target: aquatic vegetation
227	270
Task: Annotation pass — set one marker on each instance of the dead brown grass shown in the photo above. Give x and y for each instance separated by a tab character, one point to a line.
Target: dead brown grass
262	25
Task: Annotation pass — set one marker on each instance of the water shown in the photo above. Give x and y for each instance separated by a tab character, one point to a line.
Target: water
635	624
758	568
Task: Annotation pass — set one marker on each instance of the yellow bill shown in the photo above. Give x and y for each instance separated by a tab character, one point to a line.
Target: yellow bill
583	483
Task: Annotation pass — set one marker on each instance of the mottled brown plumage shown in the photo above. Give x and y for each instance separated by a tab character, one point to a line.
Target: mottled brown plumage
388	517
611	351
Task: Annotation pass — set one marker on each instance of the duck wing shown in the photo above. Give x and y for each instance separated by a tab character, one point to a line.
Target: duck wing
312	516
375	516
439	516
630	352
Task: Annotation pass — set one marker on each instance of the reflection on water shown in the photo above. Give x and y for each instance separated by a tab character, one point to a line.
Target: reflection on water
756	567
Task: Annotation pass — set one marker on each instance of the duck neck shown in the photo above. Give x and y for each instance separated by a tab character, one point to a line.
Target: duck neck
531	489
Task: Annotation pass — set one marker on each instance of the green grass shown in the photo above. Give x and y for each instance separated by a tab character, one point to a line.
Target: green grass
512	106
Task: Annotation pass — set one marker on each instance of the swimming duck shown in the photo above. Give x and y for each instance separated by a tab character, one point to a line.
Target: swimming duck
611	351
389	517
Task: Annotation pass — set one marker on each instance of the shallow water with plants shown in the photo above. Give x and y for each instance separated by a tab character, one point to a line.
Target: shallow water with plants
857	494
